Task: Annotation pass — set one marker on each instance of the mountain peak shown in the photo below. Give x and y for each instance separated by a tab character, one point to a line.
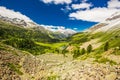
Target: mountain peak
13	14
17	18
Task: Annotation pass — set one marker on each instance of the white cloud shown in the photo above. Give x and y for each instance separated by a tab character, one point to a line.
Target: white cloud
60	29
96	14
75	28
66	9
57	1
84	0
93	15
13	14
114	4
83	5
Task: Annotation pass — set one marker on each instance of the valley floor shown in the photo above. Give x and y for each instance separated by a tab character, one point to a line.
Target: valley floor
19	65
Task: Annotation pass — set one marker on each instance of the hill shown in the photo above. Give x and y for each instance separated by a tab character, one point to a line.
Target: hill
35	53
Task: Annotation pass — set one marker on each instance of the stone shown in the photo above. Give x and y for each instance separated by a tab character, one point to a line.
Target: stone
111	76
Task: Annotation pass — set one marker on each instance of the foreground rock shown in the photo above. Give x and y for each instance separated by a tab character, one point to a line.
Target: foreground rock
86	70
18	65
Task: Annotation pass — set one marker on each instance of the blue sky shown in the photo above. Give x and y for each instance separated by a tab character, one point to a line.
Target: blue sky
73	14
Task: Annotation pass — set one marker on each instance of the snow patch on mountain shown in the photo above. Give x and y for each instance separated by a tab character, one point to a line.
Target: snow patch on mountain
19	19
60	29
110	23
13	14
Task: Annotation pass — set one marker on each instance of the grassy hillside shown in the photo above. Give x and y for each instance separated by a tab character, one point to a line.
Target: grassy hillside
8	31
97	41
37	42
25	39
75	55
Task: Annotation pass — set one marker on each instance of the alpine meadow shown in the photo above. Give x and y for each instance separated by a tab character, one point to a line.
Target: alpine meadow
60	40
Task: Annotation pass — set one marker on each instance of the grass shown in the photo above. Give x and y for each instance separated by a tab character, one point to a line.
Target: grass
105	60
15	68
115	42
79	38
108	36
1	47
52	45
116	51
53	77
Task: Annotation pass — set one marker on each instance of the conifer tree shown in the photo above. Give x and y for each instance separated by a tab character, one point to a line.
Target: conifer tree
89	48
106	46
83	51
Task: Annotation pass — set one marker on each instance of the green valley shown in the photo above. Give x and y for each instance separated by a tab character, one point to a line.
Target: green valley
38	54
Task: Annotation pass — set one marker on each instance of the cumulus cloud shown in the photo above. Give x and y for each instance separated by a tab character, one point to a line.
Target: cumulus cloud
13	14
60	29
93	15
114	4
57	1
96	14
83	5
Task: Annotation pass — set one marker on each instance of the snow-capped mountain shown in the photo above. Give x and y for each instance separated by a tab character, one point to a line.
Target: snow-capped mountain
110	23
18	21
60	29
17	18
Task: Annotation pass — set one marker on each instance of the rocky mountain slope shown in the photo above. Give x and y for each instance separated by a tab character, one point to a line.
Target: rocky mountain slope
19	22
20	65
111	23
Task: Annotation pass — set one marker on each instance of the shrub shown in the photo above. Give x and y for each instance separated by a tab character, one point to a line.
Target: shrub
89	48
76	53
83	51
106	46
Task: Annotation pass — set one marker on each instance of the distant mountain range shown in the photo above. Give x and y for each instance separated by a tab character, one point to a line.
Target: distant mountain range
19	19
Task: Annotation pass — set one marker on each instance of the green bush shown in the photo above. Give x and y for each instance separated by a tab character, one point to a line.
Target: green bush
83	51
89	48
76	53
106	46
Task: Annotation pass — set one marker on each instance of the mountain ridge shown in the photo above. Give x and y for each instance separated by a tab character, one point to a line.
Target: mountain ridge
19	19
113	22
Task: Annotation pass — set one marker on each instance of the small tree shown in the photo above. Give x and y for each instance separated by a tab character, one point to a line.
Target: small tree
76	53
89	48
83	51
106	46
